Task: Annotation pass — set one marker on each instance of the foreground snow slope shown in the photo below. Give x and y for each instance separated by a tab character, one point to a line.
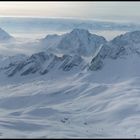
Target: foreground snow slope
68	107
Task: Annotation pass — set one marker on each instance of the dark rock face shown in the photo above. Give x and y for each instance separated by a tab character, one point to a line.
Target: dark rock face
96	64
70	62
14	69
43	63
122	45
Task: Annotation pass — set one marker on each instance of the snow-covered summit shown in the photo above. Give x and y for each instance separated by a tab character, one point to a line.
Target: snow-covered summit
78	41
4	35
78	31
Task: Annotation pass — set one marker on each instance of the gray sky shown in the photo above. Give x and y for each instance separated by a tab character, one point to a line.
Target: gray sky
99	10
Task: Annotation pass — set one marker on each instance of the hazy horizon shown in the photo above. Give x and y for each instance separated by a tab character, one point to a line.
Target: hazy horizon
115	11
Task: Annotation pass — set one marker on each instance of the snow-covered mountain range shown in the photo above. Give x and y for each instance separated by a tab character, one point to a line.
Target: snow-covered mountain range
78	49
78	86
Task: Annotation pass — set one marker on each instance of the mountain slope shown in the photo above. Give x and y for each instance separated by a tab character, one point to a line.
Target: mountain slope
78	41
43	63
120	47
70	107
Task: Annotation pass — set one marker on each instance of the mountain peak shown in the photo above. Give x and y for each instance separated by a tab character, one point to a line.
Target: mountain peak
78	41
4	35
79	31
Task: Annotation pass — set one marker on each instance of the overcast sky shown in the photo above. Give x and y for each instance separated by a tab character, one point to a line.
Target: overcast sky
99	10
